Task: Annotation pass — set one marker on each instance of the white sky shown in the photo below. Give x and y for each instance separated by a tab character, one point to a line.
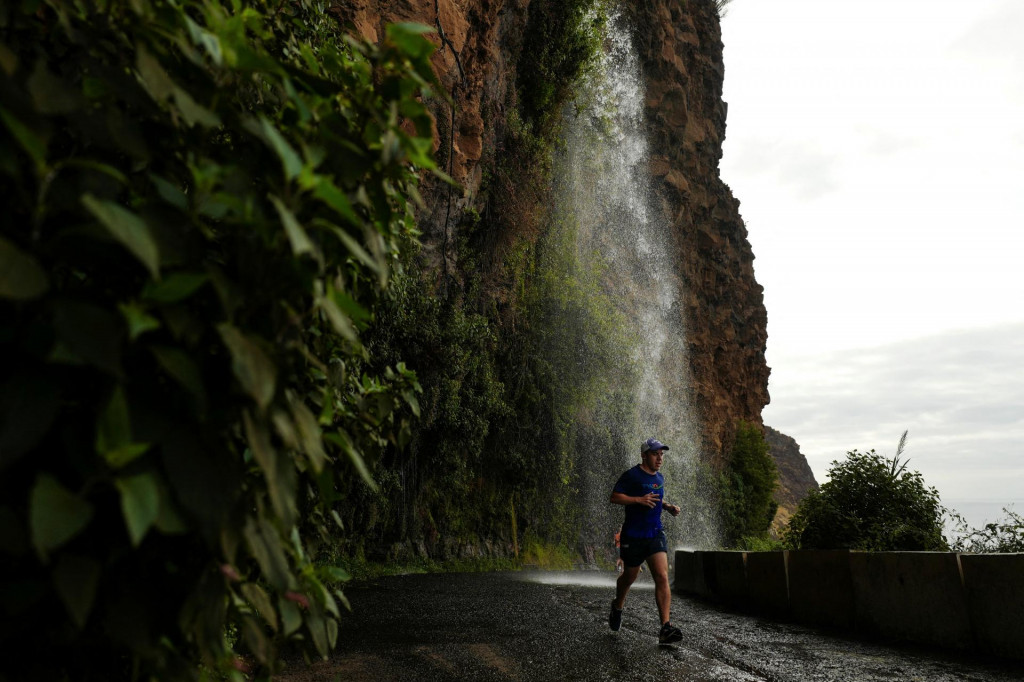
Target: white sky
877	150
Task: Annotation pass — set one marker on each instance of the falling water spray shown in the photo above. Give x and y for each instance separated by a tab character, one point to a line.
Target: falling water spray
620	236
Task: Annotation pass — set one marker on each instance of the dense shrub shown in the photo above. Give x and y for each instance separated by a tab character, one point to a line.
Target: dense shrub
747	486
869	503
203	202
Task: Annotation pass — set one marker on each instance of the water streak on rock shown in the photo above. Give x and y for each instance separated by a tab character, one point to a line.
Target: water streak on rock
604	194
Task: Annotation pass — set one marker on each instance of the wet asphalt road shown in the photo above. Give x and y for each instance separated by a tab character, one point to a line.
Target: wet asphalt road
553	626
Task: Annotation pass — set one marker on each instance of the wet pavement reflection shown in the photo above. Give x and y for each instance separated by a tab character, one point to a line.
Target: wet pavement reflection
553	626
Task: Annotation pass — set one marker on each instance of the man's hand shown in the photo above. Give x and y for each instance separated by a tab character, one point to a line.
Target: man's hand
649	500
672	509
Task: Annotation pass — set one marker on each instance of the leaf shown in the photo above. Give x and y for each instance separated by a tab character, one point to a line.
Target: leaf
126	454
309	433
341	440
291	617
315	621
343	599
336	574
180	366
296	234
327	192
339	321
253	369
113	428
87	333
140	504
260	601
255	639
104	168
290	160
408	37
21	277
356	249
412	402
55	514
139	321
194	112
29	403
154	78
76	579
114	433
276	468
168	520
349	306
169	192
203	38
265	546
174	288
332	632
51	95
285	429
127	228
29	140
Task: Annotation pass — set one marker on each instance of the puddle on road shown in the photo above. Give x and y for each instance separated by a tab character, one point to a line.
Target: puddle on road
584	579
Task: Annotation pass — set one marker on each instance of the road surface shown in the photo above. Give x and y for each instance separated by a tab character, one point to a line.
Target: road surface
553	626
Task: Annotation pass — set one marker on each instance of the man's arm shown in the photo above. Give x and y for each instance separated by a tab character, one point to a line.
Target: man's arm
648	500
672	509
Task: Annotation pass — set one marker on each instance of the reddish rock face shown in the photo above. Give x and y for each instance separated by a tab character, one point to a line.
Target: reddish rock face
478	47
681	49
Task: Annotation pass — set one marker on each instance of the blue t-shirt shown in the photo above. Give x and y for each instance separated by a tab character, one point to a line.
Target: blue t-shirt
641	521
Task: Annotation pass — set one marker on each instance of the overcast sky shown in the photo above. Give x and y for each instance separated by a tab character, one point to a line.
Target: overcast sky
877	150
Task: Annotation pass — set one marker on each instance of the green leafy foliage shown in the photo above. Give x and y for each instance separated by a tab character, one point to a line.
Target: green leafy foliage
441	483
507	405
562	38
747	486
1003	536
869	503
204	204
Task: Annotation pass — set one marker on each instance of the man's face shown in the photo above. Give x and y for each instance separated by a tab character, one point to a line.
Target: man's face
653	459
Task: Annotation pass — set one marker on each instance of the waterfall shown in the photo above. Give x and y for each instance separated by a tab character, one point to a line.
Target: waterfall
613	227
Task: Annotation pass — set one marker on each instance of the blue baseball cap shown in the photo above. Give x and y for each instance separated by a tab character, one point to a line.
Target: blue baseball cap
652	444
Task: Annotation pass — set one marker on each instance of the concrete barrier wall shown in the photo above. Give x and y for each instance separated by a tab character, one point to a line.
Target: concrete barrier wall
767	584
685	579
730	569
912	596
995	600
820	588
965	601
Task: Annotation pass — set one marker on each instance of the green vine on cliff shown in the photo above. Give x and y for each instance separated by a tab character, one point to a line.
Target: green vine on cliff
746	488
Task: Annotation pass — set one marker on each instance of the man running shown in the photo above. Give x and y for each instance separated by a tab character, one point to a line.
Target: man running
642	491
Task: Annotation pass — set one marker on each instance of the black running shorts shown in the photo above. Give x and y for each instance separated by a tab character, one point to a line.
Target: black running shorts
634	551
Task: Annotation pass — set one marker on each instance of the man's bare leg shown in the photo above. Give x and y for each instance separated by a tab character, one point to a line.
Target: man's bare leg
658	564
622	585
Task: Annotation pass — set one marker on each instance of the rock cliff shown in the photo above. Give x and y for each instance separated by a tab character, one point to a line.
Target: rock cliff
479	47
795	476
681	47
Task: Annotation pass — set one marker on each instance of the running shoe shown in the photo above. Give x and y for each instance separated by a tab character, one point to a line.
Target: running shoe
615	618
669	634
